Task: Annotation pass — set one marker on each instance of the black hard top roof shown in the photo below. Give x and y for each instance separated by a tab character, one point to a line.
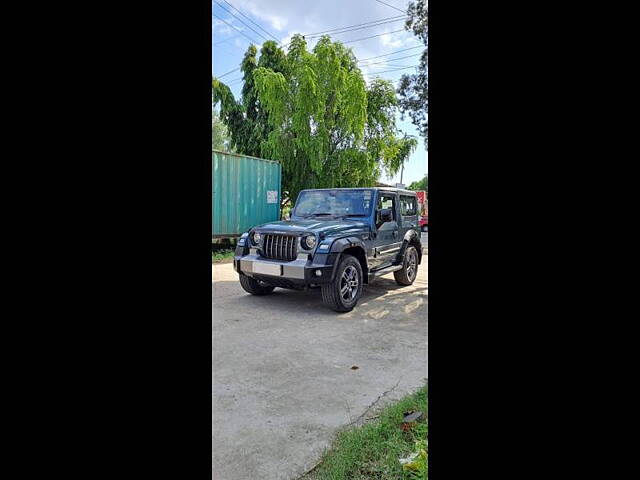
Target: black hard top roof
383	189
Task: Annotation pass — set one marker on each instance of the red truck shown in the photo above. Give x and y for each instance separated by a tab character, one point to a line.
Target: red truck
423	207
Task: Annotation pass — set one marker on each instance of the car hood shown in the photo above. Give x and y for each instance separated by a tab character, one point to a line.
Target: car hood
324	227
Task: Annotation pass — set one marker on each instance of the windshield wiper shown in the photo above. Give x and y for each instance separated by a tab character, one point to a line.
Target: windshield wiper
337	215
309	215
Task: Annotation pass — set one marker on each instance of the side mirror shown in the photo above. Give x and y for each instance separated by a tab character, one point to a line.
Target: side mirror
386	215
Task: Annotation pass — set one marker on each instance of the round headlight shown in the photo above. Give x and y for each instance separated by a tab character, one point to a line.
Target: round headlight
257	237
309	241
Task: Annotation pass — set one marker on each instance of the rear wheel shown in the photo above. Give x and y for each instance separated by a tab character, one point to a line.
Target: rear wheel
255	287
343	293
409	271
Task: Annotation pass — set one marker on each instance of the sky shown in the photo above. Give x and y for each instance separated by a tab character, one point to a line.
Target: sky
280	19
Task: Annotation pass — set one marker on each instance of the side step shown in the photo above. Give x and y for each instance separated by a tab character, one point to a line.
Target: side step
384	271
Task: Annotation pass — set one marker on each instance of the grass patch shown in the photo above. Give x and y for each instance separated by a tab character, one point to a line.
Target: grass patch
373	450
221	255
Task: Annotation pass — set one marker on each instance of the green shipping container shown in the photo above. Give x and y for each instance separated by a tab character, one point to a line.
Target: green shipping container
246	193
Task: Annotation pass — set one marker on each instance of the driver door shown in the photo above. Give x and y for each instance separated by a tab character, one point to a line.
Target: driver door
386	244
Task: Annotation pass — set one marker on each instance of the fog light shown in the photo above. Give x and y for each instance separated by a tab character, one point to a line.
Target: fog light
318	273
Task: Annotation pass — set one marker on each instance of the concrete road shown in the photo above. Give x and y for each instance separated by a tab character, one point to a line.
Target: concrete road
283	382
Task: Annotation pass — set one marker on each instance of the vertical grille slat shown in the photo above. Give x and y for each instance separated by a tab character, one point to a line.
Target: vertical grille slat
279	247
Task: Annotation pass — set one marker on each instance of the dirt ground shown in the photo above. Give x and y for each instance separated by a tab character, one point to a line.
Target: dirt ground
283	381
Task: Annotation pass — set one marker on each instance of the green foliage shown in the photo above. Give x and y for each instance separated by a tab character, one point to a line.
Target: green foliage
219	135
417	468
374	450
247	120
420	184
231	112
414	89
313	112
221	255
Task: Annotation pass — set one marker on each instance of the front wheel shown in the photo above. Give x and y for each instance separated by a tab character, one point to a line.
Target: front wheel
343	292
255	287
409	271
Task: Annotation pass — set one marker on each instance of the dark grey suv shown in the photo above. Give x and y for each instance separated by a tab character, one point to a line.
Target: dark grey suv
337	239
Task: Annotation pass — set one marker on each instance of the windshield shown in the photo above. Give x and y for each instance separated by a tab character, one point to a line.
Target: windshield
334	203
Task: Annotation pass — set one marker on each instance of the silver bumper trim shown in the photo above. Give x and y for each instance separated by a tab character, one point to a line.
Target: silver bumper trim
293	269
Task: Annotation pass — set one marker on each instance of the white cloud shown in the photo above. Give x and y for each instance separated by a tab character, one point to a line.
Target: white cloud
391	40
264	11
220	28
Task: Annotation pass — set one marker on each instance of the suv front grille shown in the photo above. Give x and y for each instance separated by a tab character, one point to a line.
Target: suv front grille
280	247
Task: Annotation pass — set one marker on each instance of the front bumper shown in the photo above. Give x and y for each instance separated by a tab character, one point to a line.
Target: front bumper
302	271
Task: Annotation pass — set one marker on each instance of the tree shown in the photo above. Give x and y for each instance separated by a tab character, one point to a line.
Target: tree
247	120
420	184
313	112
328	128
219	135
414	89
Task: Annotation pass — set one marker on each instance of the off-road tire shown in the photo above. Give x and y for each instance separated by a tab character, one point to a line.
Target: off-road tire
409	271
254	287
334	293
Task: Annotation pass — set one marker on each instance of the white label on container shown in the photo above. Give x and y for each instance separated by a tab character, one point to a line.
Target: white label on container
272	196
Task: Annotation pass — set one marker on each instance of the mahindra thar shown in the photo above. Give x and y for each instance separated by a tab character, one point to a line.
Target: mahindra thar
337	239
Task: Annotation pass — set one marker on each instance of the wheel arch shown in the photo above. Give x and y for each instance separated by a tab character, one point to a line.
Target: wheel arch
411	238
351	246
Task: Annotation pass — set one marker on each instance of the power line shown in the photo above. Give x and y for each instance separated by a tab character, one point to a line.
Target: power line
390	6
385	61
227	73
354	29
257	25
392	53
225	40
363	65
389	65
390	19
373	36
387	71
242	21
349	41
348	28
236	28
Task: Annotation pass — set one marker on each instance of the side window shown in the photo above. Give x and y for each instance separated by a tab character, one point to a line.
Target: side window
408	206
385	201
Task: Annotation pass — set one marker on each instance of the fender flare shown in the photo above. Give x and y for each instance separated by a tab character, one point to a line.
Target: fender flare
340	245
408	237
